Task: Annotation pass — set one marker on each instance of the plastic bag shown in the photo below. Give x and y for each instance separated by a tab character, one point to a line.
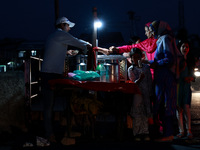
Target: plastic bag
85	75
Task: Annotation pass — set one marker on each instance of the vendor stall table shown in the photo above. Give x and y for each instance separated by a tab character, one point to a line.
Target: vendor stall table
130	88
119	88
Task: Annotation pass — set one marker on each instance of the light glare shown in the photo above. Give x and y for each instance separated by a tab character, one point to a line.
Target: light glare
97	24
197	73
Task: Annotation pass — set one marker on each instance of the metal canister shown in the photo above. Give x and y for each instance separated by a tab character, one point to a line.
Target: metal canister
82	66
112	72
81	61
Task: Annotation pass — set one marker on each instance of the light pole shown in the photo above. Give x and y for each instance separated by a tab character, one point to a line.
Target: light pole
56	6
97	24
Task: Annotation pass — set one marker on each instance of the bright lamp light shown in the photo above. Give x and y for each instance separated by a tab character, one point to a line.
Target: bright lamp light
97	24
197	73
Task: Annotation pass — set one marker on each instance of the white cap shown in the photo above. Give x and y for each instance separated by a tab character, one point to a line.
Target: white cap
64	20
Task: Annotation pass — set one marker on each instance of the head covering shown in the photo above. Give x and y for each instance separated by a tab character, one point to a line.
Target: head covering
148	24
154	25
64	20
161	28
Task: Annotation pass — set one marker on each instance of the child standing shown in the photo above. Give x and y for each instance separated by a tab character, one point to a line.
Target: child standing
141	108
184	90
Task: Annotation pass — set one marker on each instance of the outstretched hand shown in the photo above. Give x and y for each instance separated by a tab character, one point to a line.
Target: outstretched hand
104	51
113	49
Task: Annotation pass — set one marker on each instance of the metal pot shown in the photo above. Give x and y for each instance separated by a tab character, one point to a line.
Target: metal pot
112	72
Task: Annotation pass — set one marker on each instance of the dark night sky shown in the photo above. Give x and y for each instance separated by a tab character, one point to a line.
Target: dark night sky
34	19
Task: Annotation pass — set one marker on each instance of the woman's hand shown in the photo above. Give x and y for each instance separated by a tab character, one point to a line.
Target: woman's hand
113	49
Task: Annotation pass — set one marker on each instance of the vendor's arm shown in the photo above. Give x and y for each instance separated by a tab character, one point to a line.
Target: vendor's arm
71	40
72	52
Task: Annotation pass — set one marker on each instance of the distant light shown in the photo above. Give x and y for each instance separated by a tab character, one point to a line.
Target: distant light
197	73
21	53
2	68
97	24
33	52
195	69
10	63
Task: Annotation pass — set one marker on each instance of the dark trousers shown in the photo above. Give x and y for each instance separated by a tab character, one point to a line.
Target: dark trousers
48	101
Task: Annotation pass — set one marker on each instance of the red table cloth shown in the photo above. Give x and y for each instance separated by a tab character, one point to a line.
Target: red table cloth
130	88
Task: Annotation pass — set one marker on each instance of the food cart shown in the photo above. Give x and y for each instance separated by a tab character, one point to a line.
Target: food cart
113	85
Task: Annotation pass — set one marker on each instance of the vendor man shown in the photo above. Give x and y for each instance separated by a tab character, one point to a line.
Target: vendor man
53	65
